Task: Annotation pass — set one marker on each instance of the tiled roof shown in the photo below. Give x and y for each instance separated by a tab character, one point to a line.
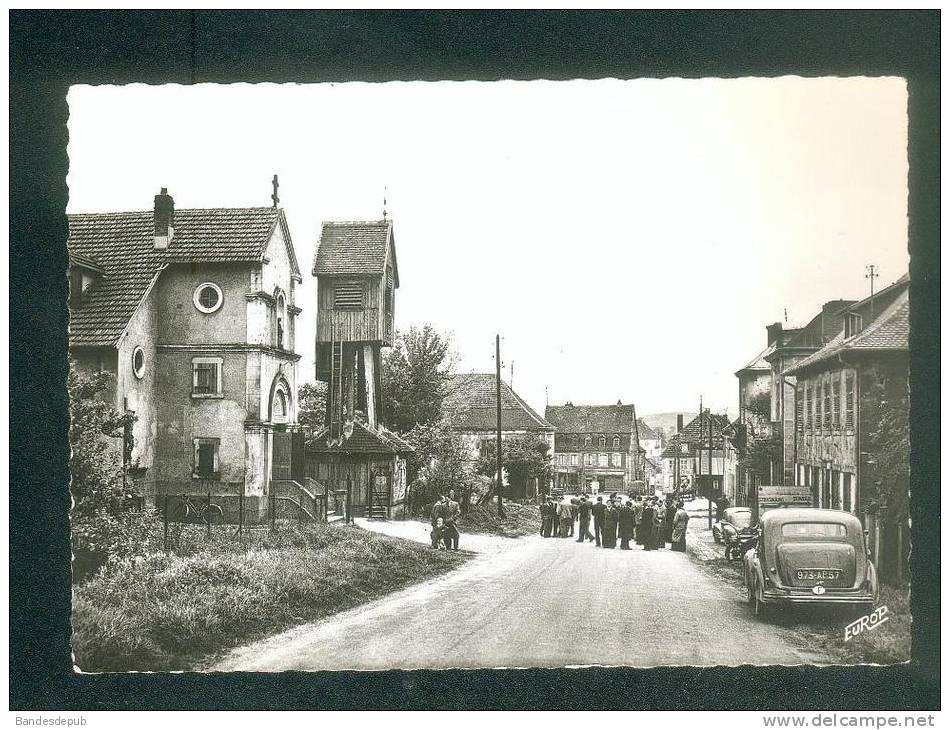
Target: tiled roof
363	440
888	332
759	362
697	430
353	247
122	245
597	419
470	405
674	449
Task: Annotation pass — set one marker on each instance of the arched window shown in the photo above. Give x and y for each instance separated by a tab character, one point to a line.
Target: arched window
616	442
280	406
602	441
281	318
587	441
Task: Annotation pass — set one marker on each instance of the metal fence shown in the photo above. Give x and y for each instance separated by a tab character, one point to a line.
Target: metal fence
219	507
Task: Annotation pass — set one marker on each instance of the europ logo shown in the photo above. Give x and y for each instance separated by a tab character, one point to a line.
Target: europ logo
866	623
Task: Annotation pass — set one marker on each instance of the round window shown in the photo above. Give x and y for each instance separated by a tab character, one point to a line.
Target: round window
208	297
138	362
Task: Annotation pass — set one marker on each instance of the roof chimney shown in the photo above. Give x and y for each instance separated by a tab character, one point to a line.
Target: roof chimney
679	422
164	219
774	333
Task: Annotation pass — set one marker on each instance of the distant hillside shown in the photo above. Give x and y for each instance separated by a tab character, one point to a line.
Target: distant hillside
667	421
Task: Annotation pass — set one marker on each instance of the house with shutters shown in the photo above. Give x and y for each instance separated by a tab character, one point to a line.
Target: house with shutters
596	447
192	314
841	393
471	407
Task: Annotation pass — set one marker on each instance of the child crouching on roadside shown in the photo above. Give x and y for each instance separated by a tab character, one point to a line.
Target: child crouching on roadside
438	534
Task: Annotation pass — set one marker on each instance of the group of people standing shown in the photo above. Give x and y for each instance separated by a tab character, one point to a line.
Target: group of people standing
649	521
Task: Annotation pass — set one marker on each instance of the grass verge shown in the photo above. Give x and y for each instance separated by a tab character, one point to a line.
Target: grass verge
166	612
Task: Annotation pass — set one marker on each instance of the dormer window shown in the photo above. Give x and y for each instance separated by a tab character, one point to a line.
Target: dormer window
853	324
602	442
616	442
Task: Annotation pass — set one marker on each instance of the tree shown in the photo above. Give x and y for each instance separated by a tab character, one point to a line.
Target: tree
523	458
889	442
105	522
415	377
312	406
441	462
760	455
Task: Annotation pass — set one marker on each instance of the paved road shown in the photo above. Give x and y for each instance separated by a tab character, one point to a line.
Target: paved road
539	602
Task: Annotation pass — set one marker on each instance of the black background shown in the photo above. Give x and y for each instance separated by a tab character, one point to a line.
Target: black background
51	50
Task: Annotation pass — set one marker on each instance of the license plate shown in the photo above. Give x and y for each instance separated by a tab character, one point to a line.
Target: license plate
816	574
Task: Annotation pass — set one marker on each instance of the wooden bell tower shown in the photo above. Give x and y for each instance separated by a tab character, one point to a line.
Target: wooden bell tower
357	278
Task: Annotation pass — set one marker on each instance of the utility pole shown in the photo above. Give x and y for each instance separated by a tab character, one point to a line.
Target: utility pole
636	451
501	510
872	275
709	433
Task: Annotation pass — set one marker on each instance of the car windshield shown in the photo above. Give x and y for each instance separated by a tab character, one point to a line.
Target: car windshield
813	530
740	519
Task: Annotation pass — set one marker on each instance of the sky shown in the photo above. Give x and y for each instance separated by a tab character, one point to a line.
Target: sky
629	240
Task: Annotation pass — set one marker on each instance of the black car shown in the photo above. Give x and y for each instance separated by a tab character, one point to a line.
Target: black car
738	517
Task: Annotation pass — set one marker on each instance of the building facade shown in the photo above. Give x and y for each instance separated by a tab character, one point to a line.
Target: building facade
471	406
842	392
596	447
787	347
192	314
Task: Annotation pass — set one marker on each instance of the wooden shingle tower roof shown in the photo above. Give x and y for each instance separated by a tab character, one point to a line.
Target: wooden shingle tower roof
355	248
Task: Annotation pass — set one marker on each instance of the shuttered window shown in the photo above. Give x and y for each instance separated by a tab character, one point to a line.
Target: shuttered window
836	403
348	295
849	401
800	408
826	419
206	376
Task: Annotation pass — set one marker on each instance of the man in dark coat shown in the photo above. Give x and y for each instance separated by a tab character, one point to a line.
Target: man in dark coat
647	526
451	514
610	526
638	518
598	510
574	502
583	517
552	518
668	520
545	519
625	524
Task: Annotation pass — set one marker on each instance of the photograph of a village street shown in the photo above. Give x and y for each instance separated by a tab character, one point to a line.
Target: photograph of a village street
480	375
